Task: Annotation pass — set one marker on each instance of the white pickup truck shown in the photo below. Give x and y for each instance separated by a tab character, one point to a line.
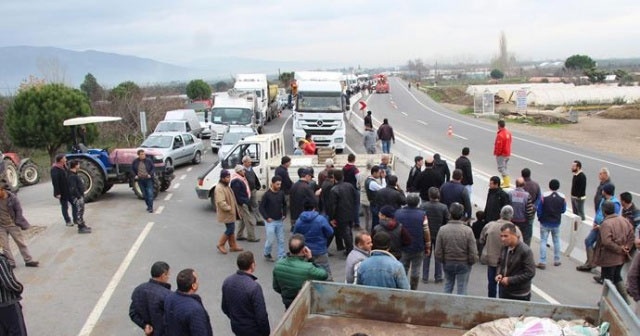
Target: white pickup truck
266	151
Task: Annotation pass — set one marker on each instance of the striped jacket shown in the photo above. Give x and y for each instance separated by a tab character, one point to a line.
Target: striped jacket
10	288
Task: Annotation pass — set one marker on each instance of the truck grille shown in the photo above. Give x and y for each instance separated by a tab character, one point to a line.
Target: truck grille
319	126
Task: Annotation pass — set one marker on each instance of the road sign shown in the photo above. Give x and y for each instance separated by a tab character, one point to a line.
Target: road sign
521	101
363	105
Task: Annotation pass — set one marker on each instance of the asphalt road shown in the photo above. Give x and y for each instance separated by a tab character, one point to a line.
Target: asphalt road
84	284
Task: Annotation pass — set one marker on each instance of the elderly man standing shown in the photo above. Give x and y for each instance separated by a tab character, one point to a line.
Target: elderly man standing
242	192
227	211
254	186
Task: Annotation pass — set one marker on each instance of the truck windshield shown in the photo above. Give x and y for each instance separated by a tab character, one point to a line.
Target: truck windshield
319	102
170	126
231	116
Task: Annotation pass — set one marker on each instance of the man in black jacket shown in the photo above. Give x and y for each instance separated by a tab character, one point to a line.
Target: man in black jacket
463	163
442	166
147	300
391	194
76	191
516	267
283	171
11	317
301	192
454	191
496	199
414	173
341	215
60	183
429	177
254	186
242	193
143	170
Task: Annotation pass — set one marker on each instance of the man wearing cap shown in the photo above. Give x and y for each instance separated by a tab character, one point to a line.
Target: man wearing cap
301	192
242	192
369	139
11	317
414	173
397	233
12	222
368	121
227	212
382	269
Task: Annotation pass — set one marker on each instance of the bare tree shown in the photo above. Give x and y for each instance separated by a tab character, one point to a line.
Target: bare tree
52	70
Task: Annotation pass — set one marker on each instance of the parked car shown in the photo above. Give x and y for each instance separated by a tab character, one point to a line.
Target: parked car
233	135
176	148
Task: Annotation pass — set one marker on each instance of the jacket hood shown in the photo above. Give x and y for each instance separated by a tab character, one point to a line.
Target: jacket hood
308	216
388	224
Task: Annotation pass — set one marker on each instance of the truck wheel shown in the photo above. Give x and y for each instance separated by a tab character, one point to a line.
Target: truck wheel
197	158
92	179
29	174
213	200
11	174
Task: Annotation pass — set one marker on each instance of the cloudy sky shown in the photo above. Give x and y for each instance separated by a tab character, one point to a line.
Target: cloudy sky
369	33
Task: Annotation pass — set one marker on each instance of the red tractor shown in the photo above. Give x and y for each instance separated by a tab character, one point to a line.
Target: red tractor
18	171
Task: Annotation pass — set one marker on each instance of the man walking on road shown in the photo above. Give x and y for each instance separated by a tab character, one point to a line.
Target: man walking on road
516	267
369	140
12	223
463	163
550	210
76	192
147	301
227	212
437	216
578	189
273	208
60	181
185	314
523	210
414	220
385	134
414	172
243	300
143	170
11	317
241	190
368	121
502	152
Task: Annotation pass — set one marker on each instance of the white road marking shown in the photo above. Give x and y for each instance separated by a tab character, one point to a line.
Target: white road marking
168	197
176	186
350	149
459	136
160	210
189	169
423	122
183	177
544	295
634	193
94	317
405	114
527	159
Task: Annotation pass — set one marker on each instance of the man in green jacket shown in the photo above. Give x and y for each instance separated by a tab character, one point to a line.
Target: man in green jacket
290	273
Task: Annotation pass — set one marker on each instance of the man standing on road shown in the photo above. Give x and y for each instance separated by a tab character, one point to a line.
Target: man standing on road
633	278
341	215
301	192
414	220
516	267
382	269
578	189
317	232
359	253
290	273
243	300
629	210
76	192
147	301
369	140
254	186
283	171
273	208
12	222
605	178
414	172
456	249
454	191
184	312
502	152
496	199
608	191
429	177
550	210
523	210
372	185
391	194
490	239
60	181
437	216
463	163
441	166
241	190
368	121
351	173
143	170
322	175
385	134
11	317
227	212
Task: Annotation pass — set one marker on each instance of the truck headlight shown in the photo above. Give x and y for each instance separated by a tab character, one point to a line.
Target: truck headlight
339	140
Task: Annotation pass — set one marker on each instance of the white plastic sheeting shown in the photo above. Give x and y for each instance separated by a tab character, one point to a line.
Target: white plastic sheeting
563	94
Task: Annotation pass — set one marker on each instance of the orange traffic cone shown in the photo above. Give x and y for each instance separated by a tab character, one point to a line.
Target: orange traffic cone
450	131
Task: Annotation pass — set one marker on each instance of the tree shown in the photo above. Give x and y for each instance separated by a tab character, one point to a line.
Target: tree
579	62
34	119
91	88
595	75
197	89
126	90
285	78
126	99
496	74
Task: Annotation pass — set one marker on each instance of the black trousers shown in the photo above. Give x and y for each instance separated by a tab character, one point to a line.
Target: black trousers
612	273
12	321
344	237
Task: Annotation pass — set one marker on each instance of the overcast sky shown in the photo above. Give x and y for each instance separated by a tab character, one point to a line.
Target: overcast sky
369	33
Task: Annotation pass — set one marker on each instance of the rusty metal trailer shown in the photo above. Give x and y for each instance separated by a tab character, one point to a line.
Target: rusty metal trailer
324	308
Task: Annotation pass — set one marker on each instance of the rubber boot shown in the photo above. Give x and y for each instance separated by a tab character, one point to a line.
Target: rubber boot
622	289
221	243
234	246
588	265
506	182
413	282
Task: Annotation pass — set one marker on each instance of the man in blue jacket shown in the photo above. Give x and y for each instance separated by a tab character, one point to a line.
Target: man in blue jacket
243	300
550	210
147	300
317	232
382	269
185	314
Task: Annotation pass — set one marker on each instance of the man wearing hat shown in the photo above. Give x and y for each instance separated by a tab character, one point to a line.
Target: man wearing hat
12	222
382	269
301	192
227	212
242	192
11	318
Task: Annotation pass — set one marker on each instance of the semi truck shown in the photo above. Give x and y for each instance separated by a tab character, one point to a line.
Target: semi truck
329	308
232	108
257	83
382	83
266	151
319	109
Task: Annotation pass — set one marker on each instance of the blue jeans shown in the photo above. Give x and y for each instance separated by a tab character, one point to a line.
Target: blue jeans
437	272
544	235
230	228
386	146
591	239
492	285
456	272
275	231
412	261
64	205
146	187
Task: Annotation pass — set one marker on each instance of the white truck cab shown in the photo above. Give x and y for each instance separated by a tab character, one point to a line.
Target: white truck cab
257	84
232	108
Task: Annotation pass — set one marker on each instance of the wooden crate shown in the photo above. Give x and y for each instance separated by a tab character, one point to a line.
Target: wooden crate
325	153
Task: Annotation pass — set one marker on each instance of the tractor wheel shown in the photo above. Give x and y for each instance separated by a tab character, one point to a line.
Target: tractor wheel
11	174
107	187
92	178
165	183
29	174
138	191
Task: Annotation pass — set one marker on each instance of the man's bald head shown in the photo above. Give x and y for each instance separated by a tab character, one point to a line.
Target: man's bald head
519	182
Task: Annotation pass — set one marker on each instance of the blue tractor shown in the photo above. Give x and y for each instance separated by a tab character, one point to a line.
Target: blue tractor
100	170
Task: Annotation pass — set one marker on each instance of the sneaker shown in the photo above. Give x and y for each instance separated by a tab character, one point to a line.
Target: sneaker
439	281
598	279
85	229
268	257
32	263
541	266
70	224
425	281
150	210
255	240
557	263
241	238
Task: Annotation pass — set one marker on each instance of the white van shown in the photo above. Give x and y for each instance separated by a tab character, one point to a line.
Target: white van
184	120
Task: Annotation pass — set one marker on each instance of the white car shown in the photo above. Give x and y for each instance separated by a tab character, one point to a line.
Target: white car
233	135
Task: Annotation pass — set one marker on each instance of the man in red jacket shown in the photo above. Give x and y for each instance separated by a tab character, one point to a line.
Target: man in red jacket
502	151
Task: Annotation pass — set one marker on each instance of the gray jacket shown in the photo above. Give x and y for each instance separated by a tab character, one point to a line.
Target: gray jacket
456	242
370	139
355	257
